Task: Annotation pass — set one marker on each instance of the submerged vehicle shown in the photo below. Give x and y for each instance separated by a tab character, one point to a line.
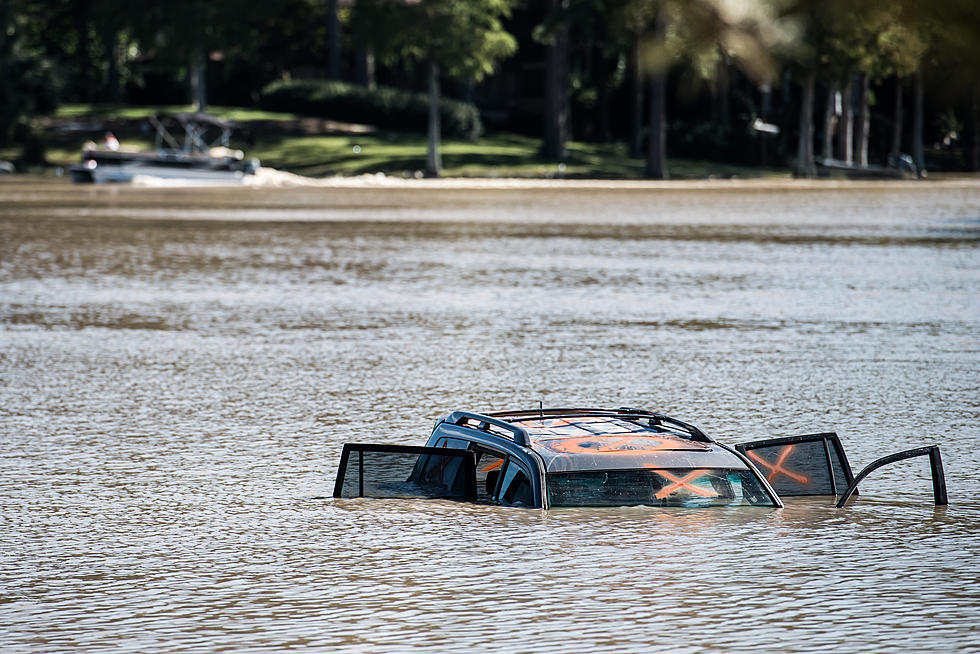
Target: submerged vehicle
546	458
190	147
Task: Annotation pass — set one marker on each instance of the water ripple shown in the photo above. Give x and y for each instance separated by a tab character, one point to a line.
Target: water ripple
180	371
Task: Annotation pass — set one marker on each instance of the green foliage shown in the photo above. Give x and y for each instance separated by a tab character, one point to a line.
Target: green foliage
383	107
878	37
26	89
751	33
28	85
466	38
103	51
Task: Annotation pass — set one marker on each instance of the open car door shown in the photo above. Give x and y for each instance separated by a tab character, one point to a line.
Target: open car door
405	471
813	464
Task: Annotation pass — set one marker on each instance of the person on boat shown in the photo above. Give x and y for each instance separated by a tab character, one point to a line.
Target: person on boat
111	142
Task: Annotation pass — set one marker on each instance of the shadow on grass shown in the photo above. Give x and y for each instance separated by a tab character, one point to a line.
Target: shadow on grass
278	145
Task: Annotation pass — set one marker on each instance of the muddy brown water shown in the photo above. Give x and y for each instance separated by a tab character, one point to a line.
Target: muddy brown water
180	368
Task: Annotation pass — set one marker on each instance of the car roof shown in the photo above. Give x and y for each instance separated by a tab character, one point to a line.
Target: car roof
570	440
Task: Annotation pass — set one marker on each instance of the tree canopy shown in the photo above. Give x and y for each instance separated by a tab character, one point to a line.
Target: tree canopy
465	37
561	69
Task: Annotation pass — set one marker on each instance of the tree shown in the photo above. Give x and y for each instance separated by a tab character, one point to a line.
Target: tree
656	167
183	33
111	25
952	28
28	84
816	17
555	82
700	32
866	43
900	46
333	40
463	39
804	148
607	34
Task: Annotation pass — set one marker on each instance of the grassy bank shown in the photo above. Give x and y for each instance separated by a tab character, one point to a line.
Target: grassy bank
319	148
496	155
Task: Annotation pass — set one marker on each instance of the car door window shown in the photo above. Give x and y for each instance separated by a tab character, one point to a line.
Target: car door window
376	470
516	486
812	464
498	475
452	442
489	465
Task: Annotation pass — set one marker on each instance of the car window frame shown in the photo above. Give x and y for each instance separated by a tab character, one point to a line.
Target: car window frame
521	467
534	466
508	459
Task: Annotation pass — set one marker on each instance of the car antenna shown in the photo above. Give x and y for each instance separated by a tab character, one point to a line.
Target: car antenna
541	408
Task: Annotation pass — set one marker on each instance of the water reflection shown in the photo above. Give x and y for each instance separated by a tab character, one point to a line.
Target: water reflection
180	370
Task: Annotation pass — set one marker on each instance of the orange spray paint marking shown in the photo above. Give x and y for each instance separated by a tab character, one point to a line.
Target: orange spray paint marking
604	444
618	445
494	466
683	482
777	468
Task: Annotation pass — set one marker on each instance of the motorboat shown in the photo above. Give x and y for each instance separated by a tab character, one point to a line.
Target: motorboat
189	147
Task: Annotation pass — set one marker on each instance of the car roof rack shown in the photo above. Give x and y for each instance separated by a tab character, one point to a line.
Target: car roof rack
484	423
655	419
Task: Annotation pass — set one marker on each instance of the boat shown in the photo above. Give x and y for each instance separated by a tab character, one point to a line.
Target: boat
190	148
903	168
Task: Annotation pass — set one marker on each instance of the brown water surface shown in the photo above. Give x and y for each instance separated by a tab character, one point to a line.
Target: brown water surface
180	369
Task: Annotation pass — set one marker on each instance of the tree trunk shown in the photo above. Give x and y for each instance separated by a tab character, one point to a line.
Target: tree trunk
636	117
433	160
84	57
468	90
804	145
365	68
721	90
975	123
113	90
657	150
784	114
897	119
845	128
863	121
199	93
333	41
556	91
918	154
657	136
600	77
829	120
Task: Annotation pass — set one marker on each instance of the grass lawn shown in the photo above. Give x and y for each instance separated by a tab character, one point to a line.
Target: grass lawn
111	111
285	142
495	155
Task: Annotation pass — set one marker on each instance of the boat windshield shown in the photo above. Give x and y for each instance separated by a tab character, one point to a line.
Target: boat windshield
657	487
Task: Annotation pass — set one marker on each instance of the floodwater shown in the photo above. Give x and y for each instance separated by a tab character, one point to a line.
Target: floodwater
180	369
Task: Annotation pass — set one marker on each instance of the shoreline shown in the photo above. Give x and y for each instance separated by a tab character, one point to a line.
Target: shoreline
269	178
282	179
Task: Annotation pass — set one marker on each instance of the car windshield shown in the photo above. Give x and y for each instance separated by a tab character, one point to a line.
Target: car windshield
657	487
